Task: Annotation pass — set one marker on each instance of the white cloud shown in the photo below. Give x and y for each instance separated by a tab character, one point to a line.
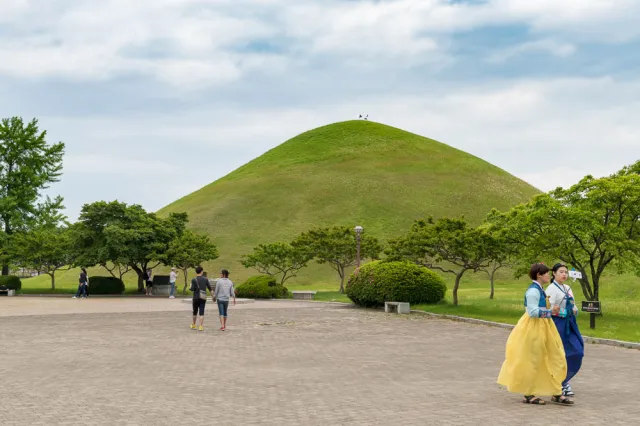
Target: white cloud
237	77
197	41
549	46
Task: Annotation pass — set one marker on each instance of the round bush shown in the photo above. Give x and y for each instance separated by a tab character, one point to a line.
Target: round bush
105	285
262	287
11	282
379	282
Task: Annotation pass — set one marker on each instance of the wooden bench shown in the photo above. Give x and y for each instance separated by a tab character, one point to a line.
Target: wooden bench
304	295
397	307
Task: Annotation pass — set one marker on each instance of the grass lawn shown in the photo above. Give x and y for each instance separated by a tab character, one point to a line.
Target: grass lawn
620	295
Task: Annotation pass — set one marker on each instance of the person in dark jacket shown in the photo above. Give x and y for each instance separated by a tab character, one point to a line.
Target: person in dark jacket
199	284
83	283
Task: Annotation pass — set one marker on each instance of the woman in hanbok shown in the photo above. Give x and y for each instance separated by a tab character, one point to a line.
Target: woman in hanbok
560	294
534	361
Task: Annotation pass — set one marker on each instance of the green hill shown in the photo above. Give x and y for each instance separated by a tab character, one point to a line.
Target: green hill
349	173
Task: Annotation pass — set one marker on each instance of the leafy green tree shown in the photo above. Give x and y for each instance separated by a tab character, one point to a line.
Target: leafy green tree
337	247
46	249
498	251
277	258
27	166
117	233
188	251
448	245
590	226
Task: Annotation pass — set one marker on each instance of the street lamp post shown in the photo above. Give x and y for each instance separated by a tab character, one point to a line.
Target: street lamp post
358	230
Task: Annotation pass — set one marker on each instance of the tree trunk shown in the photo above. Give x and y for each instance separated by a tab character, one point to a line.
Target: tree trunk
493	273
341	272
7	231
184	290
53	280
456	286
139	272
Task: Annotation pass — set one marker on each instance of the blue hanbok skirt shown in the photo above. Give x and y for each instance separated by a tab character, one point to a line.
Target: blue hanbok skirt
573	344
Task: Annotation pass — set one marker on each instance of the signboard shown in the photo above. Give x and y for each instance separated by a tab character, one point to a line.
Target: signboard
591	307
576	275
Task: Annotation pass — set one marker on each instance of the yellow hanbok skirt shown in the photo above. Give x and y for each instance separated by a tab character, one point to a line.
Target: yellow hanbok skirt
535	363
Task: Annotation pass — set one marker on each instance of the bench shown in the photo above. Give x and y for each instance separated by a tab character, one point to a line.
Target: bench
7	292
304	295
397	307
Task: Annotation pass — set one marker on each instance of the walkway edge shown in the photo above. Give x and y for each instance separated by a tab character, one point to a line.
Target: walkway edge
587	339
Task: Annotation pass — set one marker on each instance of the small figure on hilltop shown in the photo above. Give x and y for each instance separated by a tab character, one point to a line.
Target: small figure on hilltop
535	362
560	294
365	117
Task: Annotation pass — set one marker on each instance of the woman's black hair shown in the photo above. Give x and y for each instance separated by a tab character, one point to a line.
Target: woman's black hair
83	270
555	269
538	269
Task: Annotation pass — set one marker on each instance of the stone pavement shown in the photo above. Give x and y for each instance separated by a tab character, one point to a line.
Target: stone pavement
136	362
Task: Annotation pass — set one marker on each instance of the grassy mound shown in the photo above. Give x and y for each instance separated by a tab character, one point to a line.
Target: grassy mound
349	173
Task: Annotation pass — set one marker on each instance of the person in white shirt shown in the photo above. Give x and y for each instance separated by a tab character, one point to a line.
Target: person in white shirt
223	292
172	280
560	295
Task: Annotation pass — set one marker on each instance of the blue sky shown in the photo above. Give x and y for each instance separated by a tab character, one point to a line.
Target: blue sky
157	98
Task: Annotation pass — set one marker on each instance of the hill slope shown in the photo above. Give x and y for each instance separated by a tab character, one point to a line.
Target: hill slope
349	173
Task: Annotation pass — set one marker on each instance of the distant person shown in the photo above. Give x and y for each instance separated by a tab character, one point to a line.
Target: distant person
560	294
199	286
172	281
83	283
534	361
149	280
223	292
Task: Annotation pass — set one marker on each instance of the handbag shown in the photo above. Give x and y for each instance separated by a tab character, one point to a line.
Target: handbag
202	294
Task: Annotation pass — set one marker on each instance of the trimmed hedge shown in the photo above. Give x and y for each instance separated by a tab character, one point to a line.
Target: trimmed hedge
11	282
378	282
262	287
105	285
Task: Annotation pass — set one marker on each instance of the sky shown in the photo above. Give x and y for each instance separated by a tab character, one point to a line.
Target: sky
156	98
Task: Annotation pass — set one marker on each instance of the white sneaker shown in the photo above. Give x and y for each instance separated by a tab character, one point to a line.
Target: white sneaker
74	297
172	297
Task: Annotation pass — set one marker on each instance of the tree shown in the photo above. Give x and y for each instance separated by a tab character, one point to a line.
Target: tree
448	245
277	258
590	226
499	253
188	251
337	247
124	234
46	249
27	166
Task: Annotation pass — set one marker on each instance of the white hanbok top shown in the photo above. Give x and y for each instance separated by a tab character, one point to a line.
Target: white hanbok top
558	295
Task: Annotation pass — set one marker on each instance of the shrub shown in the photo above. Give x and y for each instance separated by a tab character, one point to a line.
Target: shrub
11	282
262	287
379	282
105	285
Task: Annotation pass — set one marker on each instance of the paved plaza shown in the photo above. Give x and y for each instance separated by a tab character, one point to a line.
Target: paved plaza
134	361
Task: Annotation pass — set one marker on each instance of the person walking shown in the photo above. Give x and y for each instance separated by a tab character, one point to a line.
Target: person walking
560	294
223	292
199	286
83	282
535	363
149	282
172	281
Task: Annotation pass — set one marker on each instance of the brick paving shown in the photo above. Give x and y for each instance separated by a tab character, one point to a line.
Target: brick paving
136	362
